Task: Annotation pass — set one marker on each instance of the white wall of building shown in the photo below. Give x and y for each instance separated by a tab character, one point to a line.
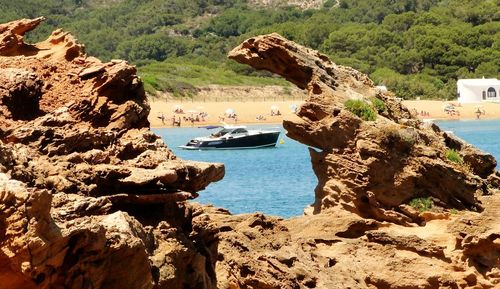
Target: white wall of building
478	90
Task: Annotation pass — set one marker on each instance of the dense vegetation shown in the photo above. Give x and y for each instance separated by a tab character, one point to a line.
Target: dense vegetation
418	48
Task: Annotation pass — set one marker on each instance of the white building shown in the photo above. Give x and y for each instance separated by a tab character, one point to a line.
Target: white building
478	90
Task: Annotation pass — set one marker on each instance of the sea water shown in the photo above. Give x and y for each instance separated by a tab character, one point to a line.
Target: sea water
276	181
483	134
280	181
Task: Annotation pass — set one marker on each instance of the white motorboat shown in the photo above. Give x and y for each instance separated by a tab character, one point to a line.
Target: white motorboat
234	137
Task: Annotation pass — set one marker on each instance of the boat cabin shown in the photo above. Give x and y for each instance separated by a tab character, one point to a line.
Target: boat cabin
231	131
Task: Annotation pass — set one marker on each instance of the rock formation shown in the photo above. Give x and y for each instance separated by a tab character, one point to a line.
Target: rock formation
372	168
369	172
79	168
91	198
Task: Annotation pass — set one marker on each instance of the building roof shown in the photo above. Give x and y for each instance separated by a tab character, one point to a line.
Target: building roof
479	81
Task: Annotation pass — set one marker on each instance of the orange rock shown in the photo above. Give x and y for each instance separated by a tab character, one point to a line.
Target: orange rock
368	167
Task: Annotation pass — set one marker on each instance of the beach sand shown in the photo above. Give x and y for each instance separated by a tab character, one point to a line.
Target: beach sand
435	109
248	111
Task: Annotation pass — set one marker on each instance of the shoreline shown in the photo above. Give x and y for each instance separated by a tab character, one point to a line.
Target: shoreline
248	111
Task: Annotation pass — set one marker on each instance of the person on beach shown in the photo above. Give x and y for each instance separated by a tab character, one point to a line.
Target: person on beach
162	118
175	122
478	113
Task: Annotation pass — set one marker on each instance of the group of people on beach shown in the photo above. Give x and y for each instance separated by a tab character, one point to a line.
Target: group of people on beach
451	110
274	112
180	116
177	120
228	116
424	113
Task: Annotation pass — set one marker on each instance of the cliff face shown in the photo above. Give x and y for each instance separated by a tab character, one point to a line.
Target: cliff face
90	198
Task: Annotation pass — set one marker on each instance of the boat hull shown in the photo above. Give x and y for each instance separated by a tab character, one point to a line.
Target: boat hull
261	140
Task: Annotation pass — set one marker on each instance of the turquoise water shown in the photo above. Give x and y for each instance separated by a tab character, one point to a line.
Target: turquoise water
484	134
280	181
276	181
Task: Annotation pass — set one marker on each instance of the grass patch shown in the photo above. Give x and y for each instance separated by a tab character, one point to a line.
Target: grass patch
378	104
421	204
361	109
454	156
179	76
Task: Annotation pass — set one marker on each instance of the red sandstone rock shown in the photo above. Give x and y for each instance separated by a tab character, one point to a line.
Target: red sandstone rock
368	171
79	167
367	167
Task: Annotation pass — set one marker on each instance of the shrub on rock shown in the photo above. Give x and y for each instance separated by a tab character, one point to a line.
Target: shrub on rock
361	109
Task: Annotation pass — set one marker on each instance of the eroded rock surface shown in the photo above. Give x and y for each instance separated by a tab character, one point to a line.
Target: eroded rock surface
343	250
88	194
91	198
363	231
372	168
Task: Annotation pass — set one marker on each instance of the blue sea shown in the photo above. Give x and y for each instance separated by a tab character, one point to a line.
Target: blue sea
276	181
280	181
483	134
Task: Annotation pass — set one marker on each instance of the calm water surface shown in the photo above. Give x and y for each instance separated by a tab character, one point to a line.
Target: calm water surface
280	181
484	134
277	181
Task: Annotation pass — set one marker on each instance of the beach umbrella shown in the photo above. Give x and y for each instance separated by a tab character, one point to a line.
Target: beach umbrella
448	107
230	111
275	108
293	107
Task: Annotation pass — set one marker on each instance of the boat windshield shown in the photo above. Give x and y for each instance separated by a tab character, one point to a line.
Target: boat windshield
221	132
239	130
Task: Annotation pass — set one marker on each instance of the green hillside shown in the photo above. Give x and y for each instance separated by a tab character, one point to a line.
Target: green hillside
418	48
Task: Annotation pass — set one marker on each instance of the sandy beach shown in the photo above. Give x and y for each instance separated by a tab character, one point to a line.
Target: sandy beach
435	109
247	112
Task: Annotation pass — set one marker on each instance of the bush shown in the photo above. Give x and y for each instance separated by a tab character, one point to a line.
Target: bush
454	156
421	204
378	104
399	138
361	109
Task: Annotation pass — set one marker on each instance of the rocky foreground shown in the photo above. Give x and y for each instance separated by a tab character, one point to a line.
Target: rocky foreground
91	198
